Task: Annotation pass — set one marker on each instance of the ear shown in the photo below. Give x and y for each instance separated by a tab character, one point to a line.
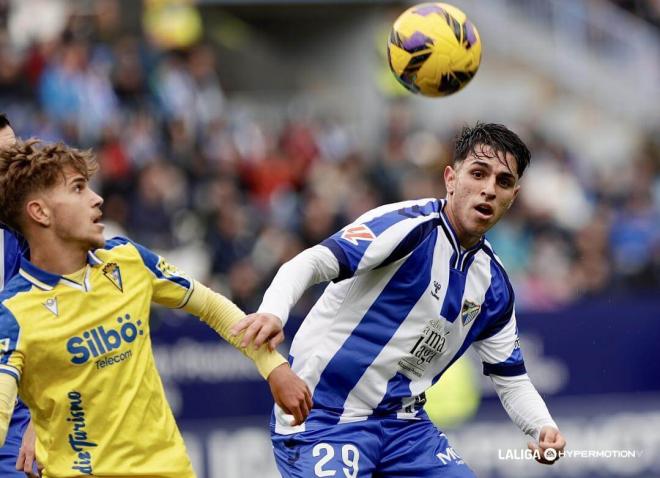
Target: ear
450	179
515	195
38	211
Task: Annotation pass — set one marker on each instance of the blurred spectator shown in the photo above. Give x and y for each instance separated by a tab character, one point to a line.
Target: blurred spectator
178	154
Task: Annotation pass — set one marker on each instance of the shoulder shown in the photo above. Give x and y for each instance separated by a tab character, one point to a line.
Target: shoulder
402	210
500	283
120	248
14	290
15	286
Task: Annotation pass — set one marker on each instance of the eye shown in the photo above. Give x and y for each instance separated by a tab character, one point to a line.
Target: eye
478	174
505	183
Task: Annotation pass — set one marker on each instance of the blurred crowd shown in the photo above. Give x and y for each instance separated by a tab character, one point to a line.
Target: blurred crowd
186	170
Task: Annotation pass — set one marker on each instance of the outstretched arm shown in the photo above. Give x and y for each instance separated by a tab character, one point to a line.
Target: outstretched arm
528	410
312	266
288	390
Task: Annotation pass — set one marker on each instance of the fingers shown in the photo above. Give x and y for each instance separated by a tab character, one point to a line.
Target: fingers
20	460
25	461
259	329
250	333
276	341
241	325
264	333
298	416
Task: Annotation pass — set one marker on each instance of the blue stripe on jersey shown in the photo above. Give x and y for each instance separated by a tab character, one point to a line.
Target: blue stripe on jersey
411	241
502	289
9	328
115	242
494	308
376	328
398	388
350	256
149	258
11	373
451	306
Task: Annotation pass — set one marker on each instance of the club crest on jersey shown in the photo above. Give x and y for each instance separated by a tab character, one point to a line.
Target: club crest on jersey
113	274
51	305
469	311
354	234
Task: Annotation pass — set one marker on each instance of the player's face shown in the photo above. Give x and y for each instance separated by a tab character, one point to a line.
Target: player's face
479	191
7	137
74	211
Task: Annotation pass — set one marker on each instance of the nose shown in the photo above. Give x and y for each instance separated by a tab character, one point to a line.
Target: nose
97	201
488	191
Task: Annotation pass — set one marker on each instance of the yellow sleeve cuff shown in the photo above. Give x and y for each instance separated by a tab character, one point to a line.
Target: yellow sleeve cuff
221	313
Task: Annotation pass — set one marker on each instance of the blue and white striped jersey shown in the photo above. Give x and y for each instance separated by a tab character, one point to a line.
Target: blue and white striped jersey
407	303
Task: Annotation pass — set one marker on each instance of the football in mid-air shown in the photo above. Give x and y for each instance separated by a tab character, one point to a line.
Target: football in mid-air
433	49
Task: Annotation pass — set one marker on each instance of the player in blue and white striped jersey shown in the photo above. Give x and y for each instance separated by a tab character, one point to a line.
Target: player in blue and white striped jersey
414	285
14	452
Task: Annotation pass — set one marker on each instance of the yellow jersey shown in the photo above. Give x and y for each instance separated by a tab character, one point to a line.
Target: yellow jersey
82	355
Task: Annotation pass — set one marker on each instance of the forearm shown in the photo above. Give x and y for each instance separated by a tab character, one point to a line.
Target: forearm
523	403
8	391
310	267
220	313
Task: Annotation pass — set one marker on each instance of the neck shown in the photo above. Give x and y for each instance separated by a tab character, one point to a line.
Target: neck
56	257
464	238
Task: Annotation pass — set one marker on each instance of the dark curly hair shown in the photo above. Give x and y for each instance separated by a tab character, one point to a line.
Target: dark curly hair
500	138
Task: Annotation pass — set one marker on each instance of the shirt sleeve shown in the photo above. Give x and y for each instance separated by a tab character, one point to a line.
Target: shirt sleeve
171	286
523	403
499	347
11	352
382	236
221	313
312	266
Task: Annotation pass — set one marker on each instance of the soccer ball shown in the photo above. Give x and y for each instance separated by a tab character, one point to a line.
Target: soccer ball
433	49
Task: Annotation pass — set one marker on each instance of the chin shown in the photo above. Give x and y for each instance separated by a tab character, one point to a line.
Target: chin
97	242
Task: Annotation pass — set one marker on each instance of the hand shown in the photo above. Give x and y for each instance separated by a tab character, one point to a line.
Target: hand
26	455
259	328
290	393
549	438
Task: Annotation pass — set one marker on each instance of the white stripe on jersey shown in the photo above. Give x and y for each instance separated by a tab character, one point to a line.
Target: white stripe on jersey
359	348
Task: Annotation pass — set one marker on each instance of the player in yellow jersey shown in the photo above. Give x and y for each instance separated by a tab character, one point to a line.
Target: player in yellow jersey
74	328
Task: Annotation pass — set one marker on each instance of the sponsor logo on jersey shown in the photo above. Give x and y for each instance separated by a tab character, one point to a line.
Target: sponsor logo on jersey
99	341
78	438
113	274
436	288
353	234
469	311
427	347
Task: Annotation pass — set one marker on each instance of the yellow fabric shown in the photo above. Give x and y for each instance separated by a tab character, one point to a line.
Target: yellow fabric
8	391
83	357
78	276
221	313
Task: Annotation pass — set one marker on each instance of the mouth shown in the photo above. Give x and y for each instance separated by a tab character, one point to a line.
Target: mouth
97	220
485	210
